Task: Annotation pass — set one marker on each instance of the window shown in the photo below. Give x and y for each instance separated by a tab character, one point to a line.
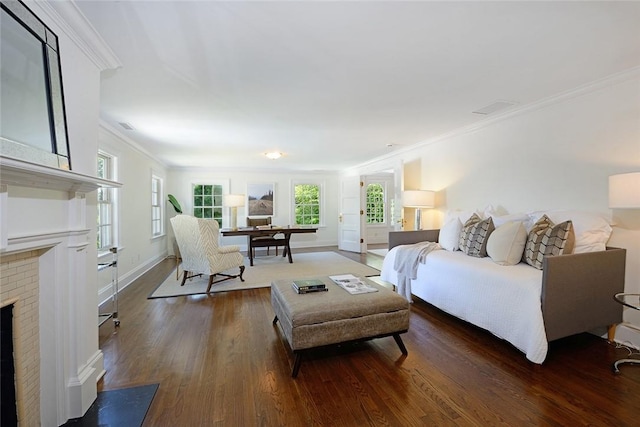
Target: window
157	221
375	204
106	203
207	202
307	204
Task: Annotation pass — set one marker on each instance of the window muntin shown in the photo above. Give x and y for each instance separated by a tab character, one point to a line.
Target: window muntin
207	202
106	204
307	204
376	204
157	228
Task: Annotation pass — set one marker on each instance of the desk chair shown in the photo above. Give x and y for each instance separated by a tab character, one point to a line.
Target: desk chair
252	222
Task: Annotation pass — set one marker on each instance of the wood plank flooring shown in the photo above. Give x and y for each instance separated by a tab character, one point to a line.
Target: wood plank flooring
220	362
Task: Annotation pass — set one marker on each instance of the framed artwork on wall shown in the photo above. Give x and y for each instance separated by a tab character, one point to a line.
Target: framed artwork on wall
260	199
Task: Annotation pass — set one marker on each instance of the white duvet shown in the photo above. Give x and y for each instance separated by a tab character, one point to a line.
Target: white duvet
504	300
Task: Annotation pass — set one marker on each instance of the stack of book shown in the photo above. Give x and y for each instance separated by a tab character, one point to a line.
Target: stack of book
309	285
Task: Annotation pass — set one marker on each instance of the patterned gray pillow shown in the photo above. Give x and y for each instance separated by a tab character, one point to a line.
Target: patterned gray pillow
548	239
474	236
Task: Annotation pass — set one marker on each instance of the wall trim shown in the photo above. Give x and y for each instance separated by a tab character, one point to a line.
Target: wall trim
67	16
585	89
130	142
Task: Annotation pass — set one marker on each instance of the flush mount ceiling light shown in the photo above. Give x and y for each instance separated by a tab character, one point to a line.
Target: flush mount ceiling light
273	155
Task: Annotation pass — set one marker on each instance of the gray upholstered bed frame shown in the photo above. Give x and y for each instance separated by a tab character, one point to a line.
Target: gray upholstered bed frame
577	289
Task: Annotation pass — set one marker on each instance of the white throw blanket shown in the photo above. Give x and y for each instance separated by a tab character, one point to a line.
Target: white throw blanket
406	264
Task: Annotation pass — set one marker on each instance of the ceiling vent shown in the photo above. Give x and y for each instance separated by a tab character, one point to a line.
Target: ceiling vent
492	108
126	125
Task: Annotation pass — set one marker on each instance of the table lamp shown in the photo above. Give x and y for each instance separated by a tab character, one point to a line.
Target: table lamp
233	201
624	191
418	199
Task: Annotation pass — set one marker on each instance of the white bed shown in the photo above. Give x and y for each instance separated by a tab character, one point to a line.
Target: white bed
505	300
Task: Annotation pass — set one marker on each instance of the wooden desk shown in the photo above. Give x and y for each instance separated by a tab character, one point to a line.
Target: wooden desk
253	232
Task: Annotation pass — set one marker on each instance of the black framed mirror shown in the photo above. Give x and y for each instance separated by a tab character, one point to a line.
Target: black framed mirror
33	125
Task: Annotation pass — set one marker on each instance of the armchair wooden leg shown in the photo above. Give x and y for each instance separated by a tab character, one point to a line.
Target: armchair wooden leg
184	277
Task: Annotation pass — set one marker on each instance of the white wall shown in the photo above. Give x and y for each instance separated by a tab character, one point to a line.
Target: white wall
181	181
138	251
554	155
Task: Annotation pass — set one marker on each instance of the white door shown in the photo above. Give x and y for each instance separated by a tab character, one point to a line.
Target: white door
351	215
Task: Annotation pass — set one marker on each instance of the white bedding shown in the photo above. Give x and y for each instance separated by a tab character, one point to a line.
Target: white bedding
504	300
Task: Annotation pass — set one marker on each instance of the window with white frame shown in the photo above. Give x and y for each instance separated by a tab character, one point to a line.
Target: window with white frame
307	203
106	230
207	202
376	208
157	217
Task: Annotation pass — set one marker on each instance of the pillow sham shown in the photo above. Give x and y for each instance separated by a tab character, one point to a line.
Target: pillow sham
474	236
548	239
506	244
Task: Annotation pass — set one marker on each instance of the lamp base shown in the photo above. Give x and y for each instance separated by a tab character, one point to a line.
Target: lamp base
418	219
234	218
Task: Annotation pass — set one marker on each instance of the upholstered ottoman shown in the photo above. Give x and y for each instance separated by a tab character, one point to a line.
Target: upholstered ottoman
333	317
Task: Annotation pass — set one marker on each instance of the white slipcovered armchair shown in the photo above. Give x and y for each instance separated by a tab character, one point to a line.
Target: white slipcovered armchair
201	254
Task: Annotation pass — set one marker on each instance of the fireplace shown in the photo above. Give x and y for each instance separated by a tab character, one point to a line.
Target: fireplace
48	275
8	410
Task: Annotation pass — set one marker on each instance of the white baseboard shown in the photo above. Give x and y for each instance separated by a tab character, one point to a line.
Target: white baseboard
105	293
628	335
82	390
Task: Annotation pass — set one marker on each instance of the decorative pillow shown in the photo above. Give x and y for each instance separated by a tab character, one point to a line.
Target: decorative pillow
548	239
524	218
506	244
474	236
449	234
466	230
591	230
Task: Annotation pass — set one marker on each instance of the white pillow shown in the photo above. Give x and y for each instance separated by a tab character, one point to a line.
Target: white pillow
522	217
506	243
449	234
463	216
592	230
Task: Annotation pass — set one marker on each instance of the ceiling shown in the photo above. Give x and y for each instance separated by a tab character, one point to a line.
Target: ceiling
335	84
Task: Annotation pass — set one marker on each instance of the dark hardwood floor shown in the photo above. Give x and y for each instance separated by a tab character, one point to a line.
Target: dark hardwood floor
219	361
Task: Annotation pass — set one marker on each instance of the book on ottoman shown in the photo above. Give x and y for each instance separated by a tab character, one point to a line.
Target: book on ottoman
352	284
304	286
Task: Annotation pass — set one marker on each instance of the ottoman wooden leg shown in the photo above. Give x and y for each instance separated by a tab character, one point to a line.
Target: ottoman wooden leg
403	349
296	364
275	319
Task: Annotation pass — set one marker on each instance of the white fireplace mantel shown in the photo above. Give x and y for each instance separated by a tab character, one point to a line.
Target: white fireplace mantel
44	207
26	174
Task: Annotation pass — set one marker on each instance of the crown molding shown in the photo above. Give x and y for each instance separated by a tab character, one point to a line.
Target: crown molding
67	16
587	88
130	142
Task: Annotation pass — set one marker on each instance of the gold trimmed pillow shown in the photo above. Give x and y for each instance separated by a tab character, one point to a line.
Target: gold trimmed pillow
548	239
474	236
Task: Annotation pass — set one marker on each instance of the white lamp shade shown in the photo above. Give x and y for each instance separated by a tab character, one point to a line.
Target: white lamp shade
418	199
624	191
233	200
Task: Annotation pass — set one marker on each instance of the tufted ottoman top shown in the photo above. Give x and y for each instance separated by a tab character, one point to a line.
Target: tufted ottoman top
336	304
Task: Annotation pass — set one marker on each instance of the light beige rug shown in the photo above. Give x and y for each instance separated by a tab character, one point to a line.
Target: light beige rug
265	270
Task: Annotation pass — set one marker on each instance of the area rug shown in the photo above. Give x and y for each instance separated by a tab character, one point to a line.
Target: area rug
267	269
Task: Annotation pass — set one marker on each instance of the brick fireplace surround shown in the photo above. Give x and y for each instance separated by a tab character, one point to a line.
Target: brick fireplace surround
46	274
